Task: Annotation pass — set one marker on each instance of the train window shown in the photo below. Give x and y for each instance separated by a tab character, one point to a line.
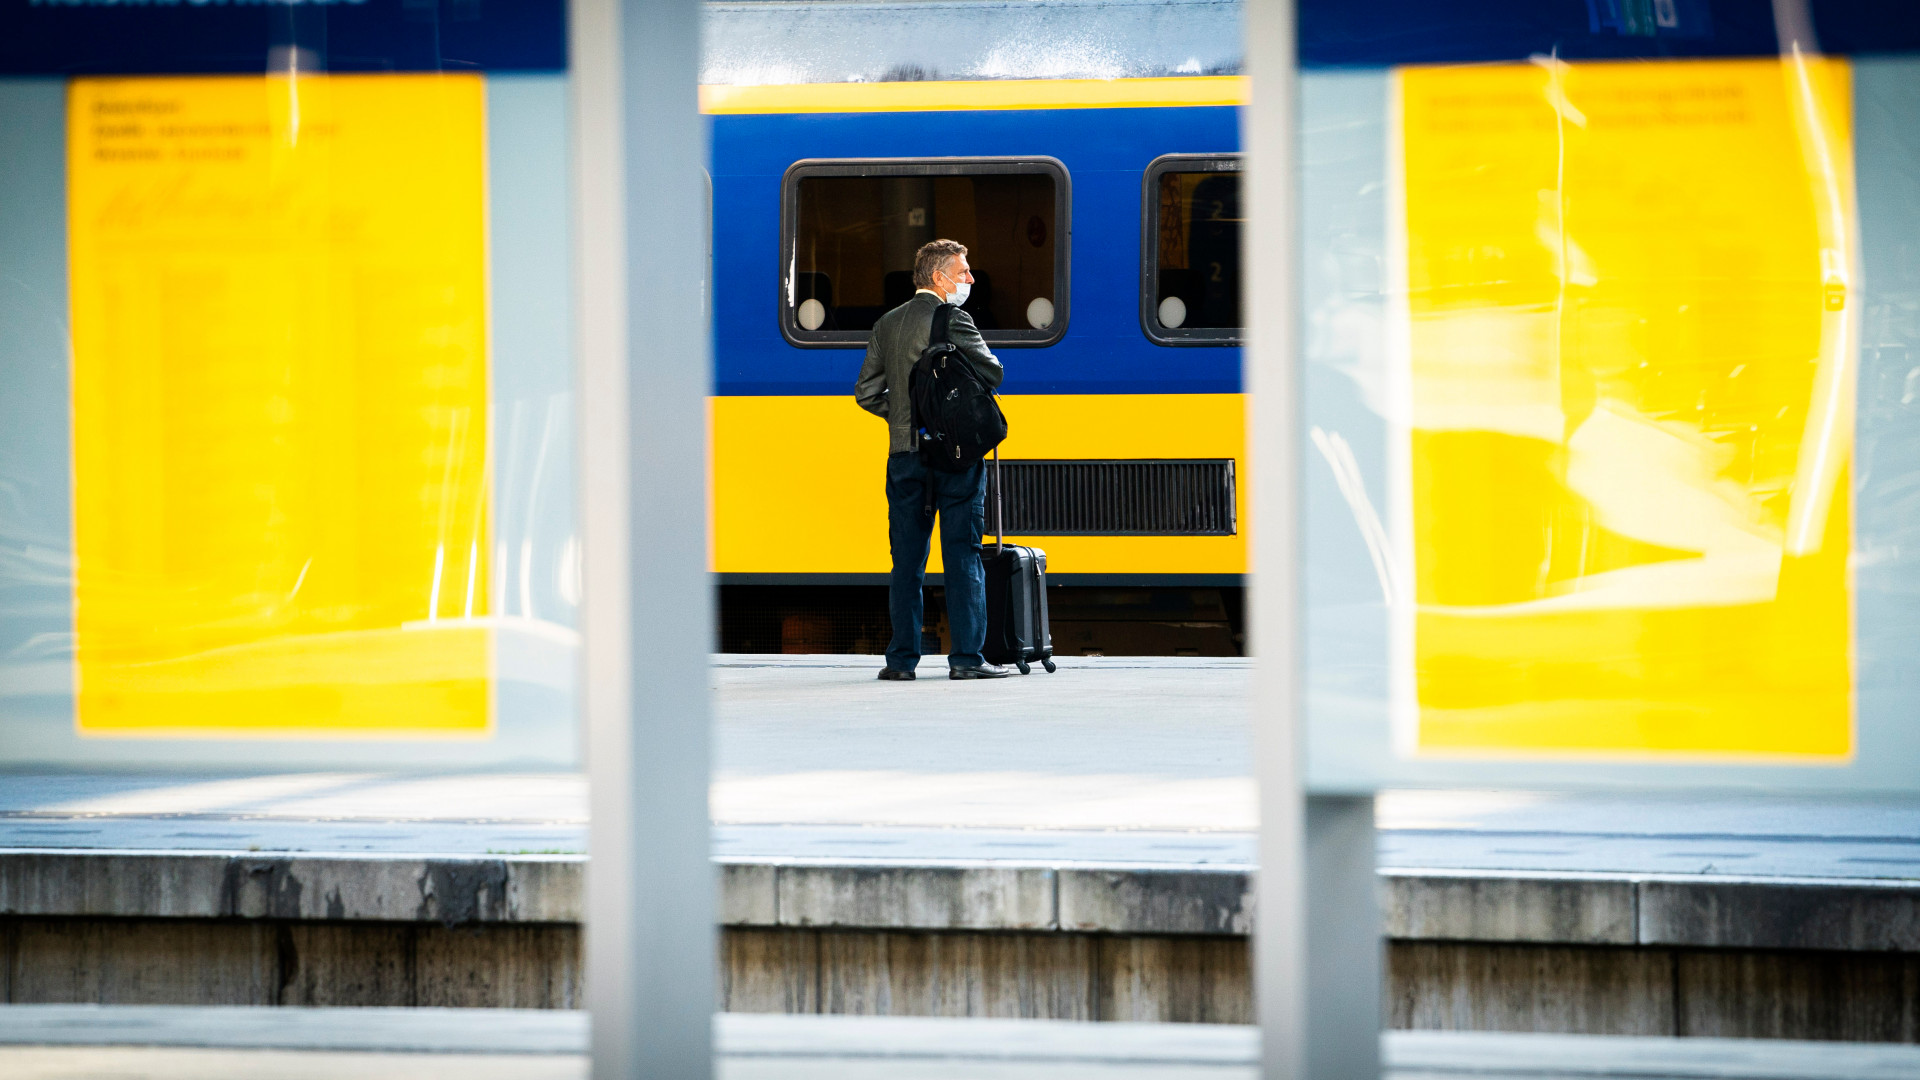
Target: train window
1190	251
850	230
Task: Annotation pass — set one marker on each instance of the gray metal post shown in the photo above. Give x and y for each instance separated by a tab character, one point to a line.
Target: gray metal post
1273	426
644	375
1343	940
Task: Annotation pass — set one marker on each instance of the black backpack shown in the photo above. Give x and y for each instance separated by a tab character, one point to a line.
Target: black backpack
958	418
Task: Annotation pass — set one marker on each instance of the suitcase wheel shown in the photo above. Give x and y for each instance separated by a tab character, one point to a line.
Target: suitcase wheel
1049	665
1024	667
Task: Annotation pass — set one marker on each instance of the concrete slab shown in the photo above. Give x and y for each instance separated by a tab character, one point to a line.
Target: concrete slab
1480	906
1410	1054
418	1030
71	1042
167	1063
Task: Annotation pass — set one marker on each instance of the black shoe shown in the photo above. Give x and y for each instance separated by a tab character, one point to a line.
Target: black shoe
984	671
894	674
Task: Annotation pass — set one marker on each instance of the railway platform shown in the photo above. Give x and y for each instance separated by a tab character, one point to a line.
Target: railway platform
1075	847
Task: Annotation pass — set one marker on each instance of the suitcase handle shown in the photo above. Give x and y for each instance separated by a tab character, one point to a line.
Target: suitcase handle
999	505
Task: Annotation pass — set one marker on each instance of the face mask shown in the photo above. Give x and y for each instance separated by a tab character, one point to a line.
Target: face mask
961	290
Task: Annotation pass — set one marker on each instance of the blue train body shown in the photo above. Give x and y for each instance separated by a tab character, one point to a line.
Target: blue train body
1105	151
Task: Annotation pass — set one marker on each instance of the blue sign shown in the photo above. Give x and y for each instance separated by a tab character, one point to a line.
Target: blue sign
207	37
1380	33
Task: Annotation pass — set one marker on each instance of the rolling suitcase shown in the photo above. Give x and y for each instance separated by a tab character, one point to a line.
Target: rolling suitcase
1017	630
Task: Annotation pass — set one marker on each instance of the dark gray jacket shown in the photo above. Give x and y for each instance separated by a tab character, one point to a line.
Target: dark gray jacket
898	339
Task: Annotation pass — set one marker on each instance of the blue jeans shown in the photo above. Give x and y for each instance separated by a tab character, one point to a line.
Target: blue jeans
961	499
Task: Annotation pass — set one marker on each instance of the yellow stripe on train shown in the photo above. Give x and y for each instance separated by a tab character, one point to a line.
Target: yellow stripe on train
798	482
978	95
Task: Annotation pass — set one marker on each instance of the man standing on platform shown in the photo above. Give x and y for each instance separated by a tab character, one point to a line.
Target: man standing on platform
941	276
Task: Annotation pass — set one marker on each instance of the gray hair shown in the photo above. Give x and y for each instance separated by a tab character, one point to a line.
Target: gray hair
934	255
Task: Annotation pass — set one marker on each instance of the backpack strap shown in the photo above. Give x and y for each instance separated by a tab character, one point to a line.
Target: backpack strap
937	334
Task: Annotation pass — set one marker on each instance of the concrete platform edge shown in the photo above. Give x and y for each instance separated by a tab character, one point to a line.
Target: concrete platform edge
1440	905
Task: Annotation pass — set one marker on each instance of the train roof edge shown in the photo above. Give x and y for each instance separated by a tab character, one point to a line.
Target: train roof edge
862	41
787	42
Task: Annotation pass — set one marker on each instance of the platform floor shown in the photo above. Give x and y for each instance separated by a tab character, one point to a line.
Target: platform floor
67	1042
1110	761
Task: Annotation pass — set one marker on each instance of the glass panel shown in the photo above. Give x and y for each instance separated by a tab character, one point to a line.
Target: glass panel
1582	344
1629	353
1199	253
294	380
279	401
856	237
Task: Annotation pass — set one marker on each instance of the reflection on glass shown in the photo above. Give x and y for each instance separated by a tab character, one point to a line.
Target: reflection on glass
1197	284
280	404
856	235
1626	357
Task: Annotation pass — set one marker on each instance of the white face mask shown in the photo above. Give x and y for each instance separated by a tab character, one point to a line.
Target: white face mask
961	290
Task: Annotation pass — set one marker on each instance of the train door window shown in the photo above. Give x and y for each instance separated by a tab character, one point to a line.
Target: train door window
850	230
1190	251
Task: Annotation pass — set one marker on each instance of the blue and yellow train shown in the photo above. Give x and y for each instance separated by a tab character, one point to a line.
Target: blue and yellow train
1103	221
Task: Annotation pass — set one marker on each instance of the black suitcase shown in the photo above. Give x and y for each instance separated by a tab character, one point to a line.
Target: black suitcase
1017	628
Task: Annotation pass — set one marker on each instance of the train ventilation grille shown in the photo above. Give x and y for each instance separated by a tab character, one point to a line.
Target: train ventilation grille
1184	497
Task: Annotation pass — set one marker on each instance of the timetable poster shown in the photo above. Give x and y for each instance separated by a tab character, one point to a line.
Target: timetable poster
280	385
1625	365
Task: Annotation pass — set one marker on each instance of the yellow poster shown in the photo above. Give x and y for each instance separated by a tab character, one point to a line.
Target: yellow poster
279	404
1625	367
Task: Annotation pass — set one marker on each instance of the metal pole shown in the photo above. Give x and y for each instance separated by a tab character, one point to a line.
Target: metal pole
1343	940
644	374
1273	388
